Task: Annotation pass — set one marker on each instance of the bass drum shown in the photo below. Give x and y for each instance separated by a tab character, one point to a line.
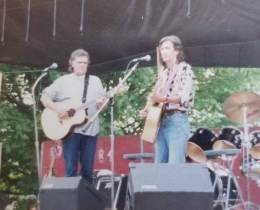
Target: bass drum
219	178
230	137
200	141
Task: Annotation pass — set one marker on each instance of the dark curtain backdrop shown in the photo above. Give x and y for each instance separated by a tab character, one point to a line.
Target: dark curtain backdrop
214	32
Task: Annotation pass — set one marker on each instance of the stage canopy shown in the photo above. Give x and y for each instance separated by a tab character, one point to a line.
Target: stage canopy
214	32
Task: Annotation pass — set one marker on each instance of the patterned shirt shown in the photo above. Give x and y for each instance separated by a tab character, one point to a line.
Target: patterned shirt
70	87
174	84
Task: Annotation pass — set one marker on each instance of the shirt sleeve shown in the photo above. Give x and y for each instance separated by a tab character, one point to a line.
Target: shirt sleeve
186	85
159	85
53	90
100	88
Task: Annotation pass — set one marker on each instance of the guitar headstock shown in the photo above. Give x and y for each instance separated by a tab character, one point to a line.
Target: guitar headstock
118	90
122	88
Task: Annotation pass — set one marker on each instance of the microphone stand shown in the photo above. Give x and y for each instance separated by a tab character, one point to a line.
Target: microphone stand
113	92
37	148
112	136
112	156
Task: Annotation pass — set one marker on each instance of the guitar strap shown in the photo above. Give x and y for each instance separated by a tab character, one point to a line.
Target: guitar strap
85	91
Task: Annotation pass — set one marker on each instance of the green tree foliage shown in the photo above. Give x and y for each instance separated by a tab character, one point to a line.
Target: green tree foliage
128	105
16	132
213	87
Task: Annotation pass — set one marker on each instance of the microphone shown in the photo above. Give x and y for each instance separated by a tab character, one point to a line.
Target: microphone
52	66
144	58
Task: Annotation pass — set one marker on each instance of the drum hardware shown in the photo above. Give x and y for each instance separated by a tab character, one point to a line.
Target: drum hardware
255	152
223	145
255	141
243	107
226	152
217	186
228	200
223	160
138	156
225	185
254	170
254	173
226	188
229	137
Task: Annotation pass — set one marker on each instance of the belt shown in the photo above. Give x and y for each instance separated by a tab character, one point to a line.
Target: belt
171	112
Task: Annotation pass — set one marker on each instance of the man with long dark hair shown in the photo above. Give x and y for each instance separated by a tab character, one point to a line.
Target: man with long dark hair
173	89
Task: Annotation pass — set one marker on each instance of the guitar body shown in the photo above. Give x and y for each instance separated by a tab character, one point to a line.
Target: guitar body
152	123
55	128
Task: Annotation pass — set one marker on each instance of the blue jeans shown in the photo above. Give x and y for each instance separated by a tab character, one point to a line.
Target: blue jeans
172	138
78	147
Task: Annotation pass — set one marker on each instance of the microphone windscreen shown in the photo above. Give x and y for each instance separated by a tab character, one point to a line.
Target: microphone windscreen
148	57
54	66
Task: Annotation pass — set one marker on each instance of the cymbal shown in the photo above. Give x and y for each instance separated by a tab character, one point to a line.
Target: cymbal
195	153
233	105
255	151
223	144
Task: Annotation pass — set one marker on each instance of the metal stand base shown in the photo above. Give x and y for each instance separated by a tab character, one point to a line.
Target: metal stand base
247	205
139	156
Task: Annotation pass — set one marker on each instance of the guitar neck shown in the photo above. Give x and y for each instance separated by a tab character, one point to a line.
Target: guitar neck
85	105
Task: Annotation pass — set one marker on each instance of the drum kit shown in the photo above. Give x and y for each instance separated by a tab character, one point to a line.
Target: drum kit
220	152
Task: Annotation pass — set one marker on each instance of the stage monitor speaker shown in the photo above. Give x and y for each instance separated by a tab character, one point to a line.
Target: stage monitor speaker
169	187
69	193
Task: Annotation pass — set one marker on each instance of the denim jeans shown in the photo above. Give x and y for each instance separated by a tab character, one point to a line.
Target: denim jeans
79	148
172	138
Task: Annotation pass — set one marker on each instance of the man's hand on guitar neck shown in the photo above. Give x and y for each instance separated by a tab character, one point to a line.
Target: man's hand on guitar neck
143	113
100	101
158	99
152	99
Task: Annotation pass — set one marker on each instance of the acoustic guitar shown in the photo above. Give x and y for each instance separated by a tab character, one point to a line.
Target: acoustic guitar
56	128
152	123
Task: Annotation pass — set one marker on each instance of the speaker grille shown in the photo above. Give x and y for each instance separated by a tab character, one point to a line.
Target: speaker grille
170	187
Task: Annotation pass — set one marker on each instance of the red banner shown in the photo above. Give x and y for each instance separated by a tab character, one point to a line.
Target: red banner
52	157
52	154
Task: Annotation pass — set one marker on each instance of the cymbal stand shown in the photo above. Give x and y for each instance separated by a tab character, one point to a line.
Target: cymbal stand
245	152
230	164
247	204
